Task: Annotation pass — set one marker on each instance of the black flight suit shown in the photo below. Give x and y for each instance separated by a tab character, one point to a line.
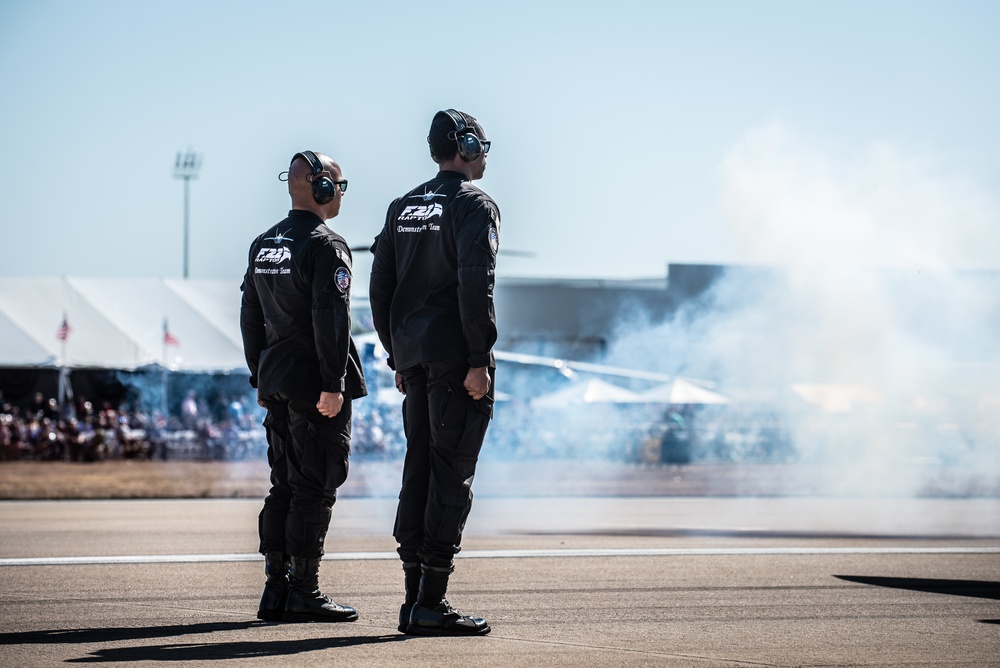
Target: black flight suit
431	293
296	325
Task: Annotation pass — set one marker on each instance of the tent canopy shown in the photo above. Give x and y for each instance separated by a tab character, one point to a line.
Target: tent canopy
120	324
18	348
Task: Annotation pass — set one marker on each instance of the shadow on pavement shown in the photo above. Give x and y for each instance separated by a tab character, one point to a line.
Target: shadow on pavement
228	650
973	588
188	651
56	636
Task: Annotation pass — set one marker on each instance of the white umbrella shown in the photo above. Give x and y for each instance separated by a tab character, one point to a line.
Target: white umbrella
592	392
680	391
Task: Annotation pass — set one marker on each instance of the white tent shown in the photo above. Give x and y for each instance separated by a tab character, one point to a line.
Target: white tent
119	324
681	391
592	392
18	348
37	306
140	308
218	302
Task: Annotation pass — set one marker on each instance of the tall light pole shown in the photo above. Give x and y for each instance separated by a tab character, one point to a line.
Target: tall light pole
186	168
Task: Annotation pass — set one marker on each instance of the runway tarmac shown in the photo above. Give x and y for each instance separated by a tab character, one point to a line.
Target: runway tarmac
565	581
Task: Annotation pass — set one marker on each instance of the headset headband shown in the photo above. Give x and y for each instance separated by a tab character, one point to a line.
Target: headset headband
324	190
314	164
465	135
460	125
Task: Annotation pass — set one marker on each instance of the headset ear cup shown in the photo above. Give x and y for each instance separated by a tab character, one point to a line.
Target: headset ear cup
324	190
469	147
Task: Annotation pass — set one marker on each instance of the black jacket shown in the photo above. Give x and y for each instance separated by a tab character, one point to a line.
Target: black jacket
432	276
295	314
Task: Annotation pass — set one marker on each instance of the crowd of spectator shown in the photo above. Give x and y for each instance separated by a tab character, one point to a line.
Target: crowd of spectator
231	429
46	430
82	432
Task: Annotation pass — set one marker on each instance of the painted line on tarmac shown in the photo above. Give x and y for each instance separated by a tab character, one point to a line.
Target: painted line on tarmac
502	554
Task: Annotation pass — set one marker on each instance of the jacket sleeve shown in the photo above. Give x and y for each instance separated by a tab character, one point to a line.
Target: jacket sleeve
331	312
382	286
477	241
251	323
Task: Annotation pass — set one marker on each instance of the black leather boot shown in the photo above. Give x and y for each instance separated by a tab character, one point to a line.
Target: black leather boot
411	583
305	602
432	615
272	603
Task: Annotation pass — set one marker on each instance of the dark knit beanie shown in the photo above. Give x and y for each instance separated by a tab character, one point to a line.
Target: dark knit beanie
442	146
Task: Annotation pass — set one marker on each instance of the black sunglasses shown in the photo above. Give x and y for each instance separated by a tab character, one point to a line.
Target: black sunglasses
485	143
283	176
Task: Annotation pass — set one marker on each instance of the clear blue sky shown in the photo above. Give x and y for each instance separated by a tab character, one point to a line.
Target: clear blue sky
626	134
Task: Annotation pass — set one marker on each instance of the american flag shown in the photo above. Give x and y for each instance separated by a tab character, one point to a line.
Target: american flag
64	329
168	338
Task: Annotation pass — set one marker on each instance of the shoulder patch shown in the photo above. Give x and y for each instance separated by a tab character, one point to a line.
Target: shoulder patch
343	279
494	237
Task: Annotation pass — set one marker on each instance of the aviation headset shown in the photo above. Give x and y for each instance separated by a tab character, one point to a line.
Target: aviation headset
470	146
323	188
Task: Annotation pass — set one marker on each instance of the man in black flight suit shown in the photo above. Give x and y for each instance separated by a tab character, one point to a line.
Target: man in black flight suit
432	303
296	325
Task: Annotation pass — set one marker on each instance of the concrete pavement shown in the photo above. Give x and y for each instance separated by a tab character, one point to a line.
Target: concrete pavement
564	582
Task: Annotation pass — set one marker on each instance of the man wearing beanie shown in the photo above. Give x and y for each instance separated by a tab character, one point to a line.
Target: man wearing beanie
432	302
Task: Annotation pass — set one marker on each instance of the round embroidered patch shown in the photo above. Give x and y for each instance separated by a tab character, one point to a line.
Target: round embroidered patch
343	278
494	239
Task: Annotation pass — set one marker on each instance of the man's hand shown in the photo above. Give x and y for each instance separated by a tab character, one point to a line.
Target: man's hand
399	383
477	382
330	403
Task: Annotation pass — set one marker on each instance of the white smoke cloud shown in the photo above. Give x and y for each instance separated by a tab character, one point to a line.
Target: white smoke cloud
788	201
867	333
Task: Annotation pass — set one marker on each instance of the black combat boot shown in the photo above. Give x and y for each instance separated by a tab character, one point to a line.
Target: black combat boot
432	615
306	603
272	603
411	583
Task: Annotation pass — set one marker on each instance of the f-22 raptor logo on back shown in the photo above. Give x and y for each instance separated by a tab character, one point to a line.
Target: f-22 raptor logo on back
428	196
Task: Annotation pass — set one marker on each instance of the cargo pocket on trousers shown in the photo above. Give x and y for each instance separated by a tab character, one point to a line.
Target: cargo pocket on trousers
447	526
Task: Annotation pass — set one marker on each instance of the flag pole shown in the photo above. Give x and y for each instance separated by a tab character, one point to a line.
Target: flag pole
163	379
63	338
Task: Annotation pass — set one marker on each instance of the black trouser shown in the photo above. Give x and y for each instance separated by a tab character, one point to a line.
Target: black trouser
308	454
445	429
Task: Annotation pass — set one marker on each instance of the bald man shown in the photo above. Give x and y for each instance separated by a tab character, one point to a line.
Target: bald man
296	325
